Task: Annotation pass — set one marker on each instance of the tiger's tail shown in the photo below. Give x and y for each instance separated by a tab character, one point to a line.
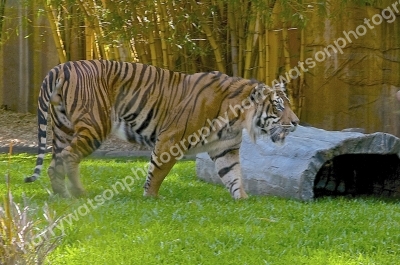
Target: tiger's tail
52	82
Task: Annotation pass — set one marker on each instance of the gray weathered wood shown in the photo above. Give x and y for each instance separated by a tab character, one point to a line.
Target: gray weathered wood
290	170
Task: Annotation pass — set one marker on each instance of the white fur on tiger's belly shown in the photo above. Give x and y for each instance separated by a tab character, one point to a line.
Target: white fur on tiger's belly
118	129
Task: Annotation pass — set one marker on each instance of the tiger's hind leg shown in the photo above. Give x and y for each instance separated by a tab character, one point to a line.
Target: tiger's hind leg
70	145
62	136
57	176
85	141
71	161
228	167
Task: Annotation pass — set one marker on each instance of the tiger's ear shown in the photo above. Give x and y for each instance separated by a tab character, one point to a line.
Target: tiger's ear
281	86
260	93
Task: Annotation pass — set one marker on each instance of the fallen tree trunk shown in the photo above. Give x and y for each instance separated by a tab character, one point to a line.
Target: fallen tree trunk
315	162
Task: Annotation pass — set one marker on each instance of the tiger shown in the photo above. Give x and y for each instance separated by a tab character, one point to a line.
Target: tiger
172	113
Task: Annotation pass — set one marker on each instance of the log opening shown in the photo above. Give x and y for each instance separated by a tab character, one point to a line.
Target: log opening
359	174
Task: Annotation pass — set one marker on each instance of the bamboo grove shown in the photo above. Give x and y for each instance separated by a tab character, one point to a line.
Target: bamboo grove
230	36
249	38
238	37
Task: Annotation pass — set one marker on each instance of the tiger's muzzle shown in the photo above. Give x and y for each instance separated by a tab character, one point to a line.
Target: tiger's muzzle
279	132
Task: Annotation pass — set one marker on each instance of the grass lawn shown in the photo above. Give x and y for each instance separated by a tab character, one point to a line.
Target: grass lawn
198	223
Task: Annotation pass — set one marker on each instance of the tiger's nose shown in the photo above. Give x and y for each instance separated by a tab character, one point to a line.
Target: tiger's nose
293	124
295	121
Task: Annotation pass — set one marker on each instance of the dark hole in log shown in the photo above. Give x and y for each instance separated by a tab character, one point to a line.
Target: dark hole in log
359	174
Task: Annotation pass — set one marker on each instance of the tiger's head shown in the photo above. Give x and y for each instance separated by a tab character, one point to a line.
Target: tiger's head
272	114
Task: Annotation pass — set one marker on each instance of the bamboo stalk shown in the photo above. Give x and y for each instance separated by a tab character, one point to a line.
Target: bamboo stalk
186	64
115	52
155	31
94	23
96	51
121	50
251	36
2	10
76	47
214	46
274	40
153	52
174	51
134	54
213	43
261	53
163	31
267	57
37	60
266	17
52	17
89	41
203	56
233	38
285	42
301	81
139	40
215	24
152	32
67	32
142	51
242	13
180	52
286	54
130	53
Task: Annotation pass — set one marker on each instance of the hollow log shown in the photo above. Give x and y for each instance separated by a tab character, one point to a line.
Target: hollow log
313	162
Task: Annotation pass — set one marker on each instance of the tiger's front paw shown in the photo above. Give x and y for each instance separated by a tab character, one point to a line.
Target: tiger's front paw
147	193
244	196
77	193
241	195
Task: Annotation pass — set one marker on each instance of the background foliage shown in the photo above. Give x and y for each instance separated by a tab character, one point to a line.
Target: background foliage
260	39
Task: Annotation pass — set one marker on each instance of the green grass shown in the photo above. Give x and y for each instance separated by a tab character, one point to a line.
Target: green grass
198	223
